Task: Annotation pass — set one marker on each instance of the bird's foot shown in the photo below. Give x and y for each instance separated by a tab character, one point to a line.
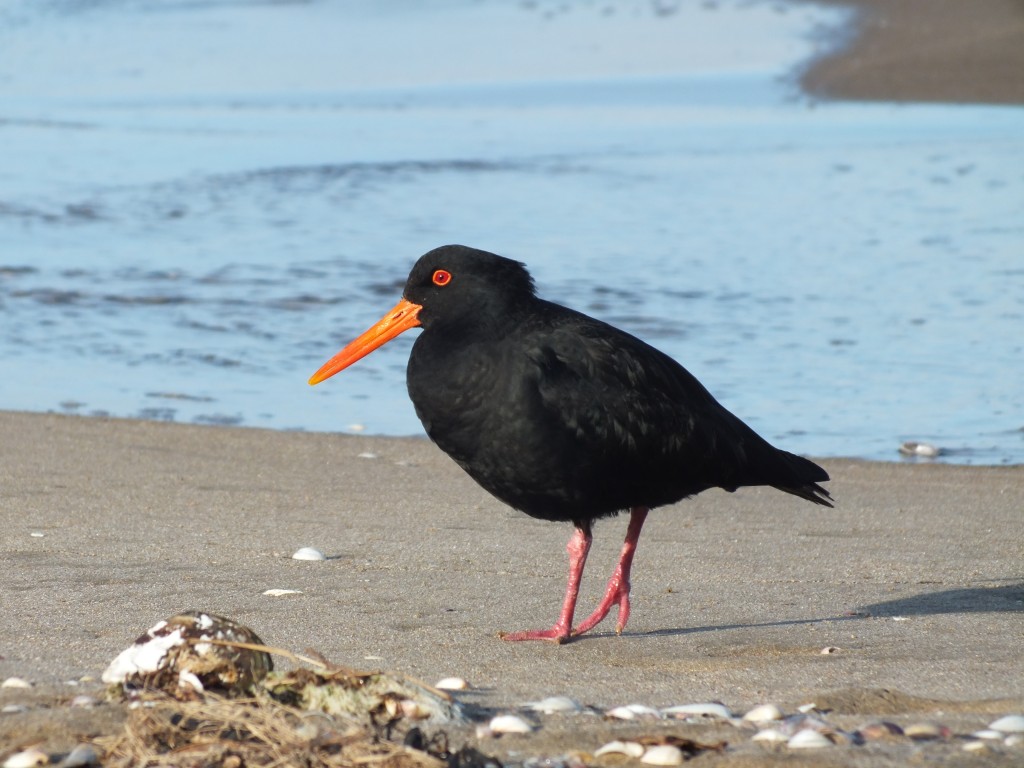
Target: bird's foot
617	594
557	634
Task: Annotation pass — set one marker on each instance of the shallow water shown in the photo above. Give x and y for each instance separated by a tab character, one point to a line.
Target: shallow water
201	201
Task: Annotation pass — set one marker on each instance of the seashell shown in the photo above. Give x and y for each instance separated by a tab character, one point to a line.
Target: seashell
794	723
13	709
976	747
1008	724
663	754
281	592
829	650
82	755
367	455
181	652
806	709
84	701
627	748
553	704
37	535
509	724
771	736
925	731
452	684
988	733
1014	740
808	739
308	553
414	710
879	730
914	448
27	759
633	712
15	682
684	711
764	713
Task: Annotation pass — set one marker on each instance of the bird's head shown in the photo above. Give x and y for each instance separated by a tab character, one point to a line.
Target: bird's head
452	286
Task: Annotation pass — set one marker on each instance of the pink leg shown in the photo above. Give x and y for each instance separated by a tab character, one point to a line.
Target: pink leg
578	547
618	584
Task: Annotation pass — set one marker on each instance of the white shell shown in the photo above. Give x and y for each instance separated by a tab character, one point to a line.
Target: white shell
771	735
27	759
553	704
452	684
663	754
1014	740
86	702
15	682
308	553
83	754
807	739
1008	724
829	649
975	746
509	724
913	448
627	748
367	455
13	709
633	712
281	592
764	713
142	658
988	733
37	535
681	711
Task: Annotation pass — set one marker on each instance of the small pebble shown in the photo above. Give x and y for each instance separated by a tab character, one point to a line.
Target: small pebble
663	754
554	704
764	713
771	736
879	730
1008	724
308	553
280	592
808	739
82	755
627	748
633	712
509	724
27	759
367	455
452	684
926	731
13	709
684	711
15	682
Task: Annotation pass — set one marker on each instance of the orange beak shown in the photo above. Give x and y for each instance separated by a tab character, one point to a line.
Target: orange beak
401	318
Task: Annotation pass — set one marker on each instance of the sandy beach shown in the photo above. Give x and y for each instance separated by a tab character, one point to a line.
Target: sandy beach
914	579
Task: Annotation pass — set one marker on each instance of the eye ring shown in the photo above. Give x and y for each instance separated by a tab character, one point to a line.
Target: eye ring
441	277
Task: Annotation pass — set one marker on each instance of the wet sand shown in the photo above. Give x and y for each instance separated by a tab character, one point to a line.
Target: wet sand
926	51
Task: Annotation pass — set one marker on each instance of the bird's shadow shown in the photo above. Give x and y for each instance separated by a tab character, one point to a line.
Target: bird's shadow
998	599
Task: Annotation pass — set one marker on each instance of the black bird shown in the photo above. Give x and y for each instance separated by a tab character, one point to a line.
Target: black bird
562	416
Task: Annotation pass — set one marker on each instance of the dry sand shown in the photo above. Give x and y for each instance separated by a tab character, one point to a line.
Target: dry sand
916	576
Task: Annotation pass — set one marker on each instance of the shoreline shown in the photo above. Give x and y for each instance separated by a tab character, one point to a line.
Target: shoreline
936	51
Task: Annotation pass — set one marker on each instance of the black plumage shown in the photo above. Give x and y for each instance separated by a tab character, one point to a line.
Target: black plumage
562	416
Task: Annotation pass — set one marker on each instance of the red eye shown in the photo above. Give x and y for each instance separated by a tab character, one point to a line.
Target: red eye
442	277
